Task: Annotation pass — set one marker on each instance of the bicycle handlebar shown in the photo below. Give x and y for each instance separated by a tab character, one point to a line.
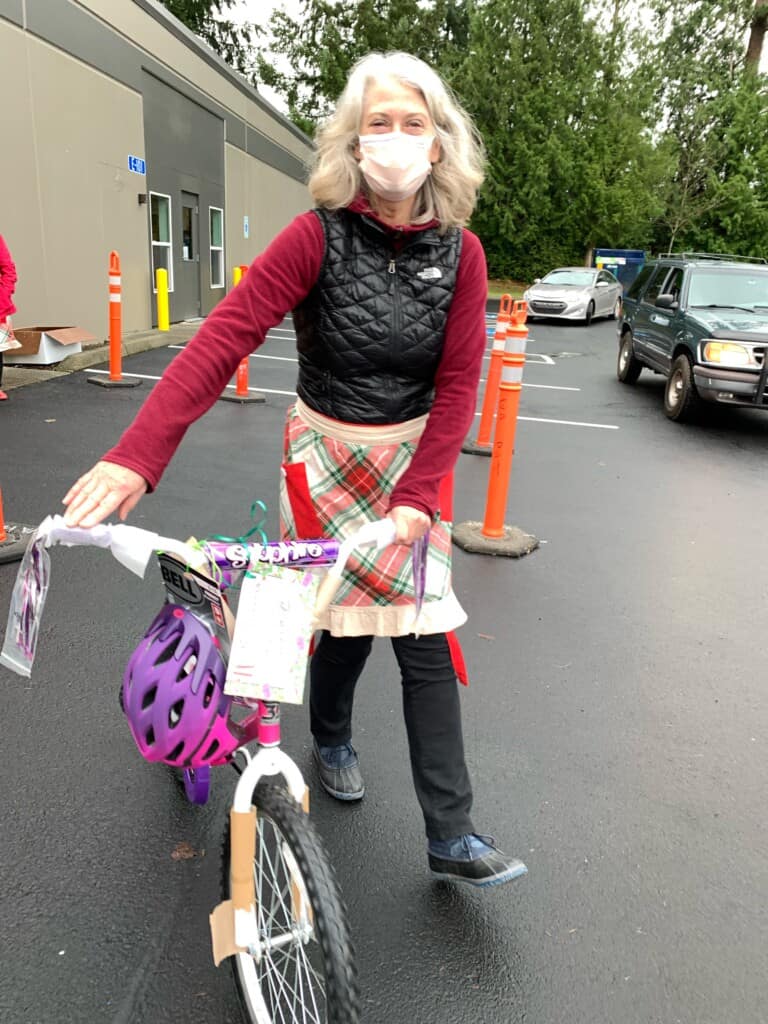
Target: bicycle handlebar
133	547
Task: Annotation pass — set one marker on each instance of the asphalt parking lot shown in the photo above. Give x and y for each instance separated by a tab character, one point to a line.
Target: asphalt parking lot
615	727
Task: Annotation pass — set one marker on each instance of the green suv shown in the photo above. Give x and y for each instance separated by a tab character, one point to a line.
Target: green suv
702	321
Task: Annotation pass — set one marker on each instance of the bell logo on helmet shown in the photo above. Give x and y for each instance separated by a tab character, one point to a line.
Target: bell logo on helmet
180	585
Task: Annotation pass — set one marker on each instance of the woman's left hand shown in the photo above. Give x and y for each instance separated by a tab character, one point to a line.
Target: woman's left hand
410	523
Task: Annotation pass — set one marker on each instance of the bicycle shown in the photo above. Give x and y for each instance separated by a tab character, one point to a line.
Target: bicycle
282	920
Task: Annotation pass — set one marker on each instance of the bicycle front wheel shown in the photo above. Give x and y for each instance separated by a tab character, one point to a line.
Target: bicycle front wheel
304	971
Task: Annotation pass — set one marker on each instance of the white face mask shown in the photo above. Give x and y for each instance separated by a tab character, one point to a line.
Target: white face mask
395	165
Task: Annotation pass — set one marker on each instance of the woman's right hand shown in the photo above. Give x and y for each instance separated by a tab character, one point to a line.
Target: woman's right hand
100	491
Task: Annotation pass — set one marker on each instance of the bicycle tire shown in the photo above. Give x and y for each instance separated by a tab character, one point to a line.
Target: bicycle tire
274	989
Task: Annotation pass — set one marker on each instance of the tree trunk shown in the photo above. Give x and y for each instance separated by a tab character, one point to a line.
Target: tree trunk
757	29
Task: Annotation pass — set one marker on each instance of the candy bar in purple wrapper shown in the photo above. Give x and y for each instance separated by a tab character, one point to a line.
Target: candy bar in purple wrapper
285	552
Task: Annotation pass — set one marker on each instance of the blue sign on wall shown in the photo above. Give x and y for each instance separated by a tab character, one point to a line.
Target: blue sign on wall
137	165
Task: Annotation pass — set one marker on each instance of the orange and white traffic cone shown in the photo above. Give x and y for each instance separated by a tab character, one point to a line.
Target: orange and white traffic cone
115	378
482	443
493	536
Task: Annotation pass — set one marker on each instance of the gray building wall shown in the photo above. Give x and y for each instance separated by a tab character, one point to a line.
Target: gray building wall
95	82
185	158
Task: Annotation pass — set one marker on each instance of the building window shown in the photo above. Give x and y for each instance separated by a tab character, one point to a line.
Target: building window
188	214
216	217
160	218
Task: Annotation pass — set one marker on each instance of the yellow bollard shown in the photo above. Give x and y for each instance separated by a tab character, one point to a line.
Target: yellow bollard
163	314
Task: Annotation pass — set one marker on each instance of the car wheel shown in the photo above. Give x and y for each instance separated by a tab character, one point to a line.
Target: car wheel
627	368
616	311
589	314
681	400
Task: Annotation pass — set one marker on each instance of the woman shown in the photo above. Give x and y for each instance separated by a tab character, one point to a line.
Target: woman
388	296
7	308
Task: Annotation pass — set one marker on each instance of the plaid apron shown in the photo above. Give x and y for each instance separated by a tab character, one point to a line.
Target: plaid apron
335	478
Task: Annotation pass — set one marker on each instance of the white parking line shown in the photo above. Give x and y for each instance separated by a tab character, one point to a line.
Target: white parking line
563	423
258	355
292	394
280	359
291	358
546	387
230	387
531	357
536	357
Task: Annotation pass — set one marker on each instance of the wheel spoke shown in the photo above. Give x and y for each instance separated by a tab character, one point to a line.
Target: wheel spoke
292	986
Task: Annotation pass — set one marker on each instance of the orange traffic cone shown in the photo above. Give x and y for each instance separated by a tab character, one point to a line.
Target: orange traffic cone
243	393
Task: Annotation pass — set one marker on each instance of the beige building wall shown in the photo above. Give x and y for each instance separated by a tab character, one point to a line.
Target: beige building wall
67	197
145	32
149	34
266	197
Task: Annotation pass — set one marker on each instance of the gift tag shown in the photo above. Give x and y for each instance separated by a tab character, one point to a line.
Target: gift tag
273	630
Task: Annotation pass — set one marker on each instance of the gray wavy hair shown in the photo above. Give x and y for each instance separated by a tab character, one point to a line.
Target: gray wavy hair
449	193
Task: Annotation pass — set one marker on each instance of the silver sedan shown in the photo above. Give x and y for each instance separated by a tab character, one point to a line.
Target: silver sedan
575	293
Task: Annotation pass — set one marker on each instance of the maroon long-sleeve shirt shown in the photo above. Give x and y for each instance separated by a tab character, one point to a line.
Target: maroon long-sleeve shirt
276	282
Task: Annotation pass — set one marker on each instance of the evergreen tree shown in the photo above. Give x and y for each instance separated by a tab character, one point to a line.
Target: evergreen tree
328	36
599	129
207	19
571	160
715	120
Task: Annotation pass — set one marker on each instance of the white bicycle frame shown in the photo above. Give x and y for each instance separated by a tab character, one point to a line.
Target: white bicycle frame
268	761
234	927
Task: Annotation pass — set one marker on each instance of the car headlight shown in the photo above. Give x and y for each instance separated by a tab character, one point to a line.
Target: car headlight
729	353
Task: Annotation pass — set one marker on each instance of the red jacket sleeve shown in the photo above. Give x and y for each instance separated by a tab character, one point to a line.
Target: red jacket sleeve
8	280
456	384
275	283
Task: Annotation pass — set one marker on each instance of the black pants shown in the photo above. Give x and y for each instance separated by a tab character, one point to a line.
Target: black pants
432	719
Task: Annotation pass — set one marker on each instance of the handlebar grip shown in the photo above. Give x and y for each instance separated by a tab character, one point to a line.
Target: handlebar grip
98	536
378	534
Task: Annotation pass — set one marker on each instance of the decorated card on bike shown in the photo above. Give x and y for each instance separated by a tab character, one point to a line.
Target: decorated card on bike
273	631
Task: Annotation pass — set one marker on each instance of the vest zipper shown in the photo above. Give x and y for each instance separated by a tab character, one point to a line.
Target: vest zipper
394	347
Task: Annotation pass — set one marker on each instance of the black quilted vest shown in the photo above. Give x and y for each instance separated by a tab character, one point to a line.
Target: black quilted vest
370	333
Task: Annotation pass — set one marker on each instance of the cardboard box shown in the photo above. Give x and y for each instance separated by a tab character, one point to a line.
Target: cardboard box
42	346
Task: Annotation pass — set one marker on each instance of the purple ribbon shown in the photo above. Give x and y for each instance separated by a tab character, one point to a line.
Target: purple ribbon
419	552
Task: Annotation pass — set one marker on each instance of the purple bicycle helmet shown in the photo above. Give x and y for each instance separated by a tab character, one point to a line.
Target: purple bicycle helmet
173	693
